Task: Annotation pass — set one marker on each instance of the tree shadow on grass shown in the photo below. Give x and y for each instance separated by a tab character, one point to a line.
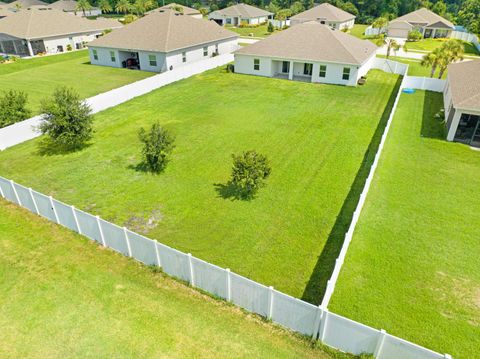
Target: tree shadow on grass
315	289
143	167
47	147
231	191
432	127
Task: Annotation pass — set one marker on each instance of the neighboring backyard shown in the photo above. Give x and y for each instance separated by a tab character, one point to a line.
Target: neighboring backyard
259	31
414	68
40	76
65	296
315	136
413	266
432	44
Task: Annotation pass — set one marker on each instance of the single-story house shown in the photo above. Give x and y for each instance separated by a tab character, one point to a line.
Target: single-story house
71	7
310	52
162	41
185	10
461	99
325	14
34	31
423	20
240	14
25	4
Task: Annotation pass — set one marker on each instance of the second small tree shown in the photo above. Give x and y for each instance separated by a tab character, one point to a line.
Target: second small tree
158	144
249	172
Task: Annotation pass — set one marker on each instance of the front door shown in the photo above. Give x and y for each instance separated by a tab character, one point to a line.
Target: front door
468	130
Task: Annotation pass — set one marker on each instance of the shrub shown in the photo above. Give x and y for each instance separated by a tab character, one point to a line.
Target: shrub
69	47
230	68
67	119
270	27
13	107
249	172
414	35
158	143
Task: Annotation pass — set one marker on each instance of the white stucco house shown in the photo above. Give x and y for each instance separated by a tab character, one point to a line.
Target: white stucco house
423	20
310	52
326	14
34	31
71	7
162	41
461	99
240	14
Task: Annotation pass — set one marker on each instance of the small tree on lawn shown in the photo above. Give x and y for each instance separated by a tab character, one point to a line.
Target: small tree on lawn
270	27
158	144
249	172
67	119
13	107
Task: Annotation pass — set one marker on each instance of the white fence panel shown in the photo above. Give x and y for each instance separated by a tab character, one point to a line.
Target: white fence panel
466	36
396	348
65	215
294	313
372	31
44	206
174	262
279	23
424	83
390	66
25	197
349	336
249	294
143	249
8	191
114	237
210	278
88	225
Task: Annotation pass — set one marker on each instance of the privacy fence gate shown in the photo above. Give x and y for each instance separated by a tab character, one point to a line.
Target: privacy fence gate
302	317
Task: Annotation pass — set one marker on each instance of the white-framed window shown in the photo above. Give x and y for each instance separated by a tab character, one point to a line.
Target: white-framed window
323	71
307	69
346	73
152	60
205	51
95	54
184	56
285	67
256	64
112	56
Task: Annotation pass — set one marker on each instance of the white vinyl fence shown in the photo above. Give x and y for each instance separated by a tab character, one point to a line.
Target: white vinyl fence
26	130
279	23
424	83
466	36
372	31
390	66
292	313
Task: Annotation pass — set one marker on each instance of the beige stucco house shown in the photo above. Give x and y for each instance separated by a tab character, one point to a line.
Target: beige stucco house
240	14
427	22
326	14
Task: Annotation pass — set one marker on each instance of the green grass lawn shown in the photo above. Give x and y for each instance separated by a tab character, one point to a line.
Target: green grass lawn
413	266
64	296
358	30
432	44
414	68
38	77
260	31
315	136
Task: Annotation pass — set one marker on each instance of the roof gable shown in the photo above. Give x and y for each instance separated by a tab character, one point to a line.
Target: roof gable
65	5
186	10
25	4
243	10
324	11
464	81
426	17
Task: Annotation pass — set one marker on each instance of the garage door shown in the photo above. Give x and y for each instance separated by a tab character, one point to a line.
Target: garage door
403	33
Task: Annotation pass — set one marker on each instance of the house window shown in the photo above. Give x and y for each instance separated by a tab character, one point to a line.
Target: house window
307	69
95	54
323	71
184	56
256	64
322	22
112	56
346	73
152	59
285	67
216	48
205	51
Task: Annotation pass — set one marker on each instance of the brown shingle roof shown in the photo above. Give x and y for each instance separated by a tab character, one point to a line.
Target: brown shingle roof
186	10
324	11
38	24
65	5
243	10
425	17
464	80
312	41
25	4
164	32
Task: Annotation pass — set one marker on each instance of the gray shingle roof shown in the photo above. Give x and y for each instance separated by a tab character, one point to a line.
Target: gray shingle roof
186	10
312	41
38	24
324	11
464	80
25	4
243	10
65	5
164	32
425	17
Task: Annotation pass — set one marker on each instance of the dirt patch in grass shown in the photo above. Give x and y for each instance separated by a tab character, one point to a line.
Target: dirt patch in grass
144	222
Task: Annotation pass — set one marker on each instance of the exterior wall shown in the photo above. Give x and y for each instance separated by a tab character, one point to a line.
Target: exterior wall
145	61
363	70
237	20
244	65
92	12
104	57
52	43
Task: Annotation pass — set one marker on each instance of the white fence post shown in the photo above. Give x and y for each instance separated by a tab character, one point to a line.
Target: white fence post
54	209
323	326
79	230
381	339
127	240
447	356
318	321
101	231
190	266
1	192
229	285
33	200
270	302
157	253
15	192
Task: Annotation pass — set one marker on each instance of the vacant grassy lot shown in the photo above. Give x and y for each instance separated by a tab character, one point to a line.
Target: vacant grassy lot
413	265
414	68
432	44
64	296
259	31
38	77
316	137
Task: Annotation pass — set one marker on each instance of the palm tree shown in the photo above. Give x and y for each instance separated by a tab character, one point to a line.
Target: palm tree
451	51
432	60
83	5
391	44
123	6
380	23
105	6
